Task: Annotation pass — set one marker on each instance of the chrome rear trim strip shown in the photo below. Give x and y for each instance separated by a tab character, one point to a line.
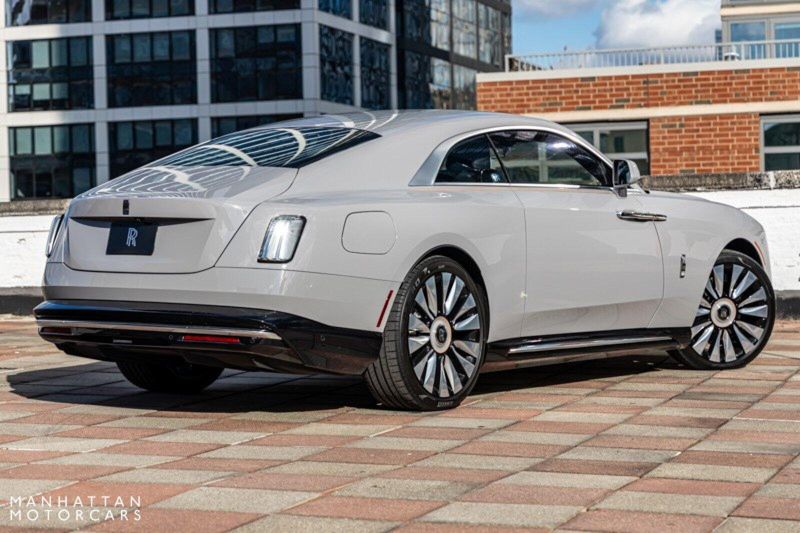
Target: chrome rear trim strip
581	344
185	330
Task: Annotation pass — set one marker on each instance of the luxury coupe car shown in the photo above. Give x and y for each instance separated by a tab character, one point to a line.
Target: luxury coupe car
416	249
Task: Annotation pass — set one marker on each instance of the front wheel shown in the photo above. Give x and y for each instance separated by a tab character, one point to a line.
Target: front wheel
435	339
735	317
169	376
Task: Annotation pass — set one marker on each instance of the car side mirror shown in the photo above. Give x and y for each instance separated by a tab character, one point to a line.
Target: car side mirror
490	175
626	173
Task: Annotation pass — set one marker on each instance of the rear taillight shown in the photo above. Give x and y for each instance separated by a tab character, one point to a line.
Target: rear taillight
55	227
210	339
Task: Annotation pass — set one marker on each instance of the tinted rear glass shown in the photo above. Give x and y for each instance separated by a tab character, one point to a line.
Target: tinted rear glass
269	147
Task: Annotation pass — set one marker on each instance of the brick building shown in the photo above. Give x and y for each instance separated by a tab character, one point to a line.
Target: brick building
729	107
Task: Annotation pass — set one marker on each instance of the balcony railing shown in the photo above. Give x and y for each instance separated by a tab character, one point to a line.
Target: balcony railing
632	57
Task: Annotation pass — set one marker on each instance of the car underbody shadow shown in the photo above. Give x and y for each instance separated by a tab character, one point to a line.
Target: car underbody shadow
100	384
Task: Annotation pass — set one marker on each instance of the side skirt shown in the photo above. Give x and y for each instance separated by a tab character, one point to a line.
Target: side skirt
557	349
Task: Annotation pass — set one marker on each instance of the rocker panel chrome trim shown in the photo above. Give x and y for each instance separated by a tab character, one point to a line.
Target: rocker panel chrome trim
580	344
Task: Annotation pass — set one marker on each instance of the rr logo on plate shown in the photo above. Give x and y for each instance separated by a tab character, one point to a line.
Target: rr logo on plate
131	241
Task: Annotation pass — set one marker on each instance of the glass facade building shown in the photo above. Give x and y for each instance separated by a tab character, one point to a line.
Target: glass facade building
443	44
95	88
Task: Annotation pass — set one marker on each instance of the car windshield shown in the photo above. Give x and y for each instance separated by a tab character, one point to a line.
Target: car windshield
269	147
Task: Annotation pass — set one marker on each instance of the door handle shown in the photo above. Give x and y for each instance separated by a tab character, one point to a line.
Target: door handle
638	216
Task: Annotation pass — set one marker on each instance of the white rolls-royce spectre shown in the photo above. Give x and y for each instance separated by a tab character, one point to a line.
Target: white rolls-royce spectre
415	249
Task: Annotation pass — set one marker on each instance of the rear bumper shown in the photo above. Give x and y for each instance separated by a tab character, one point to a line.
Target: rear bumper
249	339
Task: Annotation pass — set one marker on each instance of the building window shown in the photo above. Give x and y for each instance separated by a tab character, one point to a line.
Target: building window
256	63
336	65
28	12
375	74
51	161
374	13
744	32
465	28
134	9
781	144
242	6
507	33
489	37
149	69
788	31
618	141
135	144
427	22
225	125
427	82
50	74
342	8
464	92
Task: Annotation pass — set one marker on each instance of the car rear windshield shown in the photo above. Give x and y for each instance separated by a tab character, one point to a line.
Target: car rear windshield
269	147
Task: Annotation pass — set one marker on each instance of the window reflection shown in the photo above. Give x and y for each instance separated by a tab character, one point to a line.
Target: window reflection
50	74
465	28
147	69
130	9
427	82
226	125
29	12
51	161
427	22
135	144
336	65
342	8
256	63
242	6
374	12
375	74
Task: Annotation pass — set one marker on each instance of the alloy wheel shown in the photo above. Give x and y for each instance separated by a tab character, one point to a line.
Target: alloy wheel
733	316
444	334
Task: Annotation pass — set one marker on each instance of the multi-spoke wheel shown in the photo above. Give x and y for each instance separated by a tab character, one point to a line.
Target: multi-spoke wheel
434	341
735	317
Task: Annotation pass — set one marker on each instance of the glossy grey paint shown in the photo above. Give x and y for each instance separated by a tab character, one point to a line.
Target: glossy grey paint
554	259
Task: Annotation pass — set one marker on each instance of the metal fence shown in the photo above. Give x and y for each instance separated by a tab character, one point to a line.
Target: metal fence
631	57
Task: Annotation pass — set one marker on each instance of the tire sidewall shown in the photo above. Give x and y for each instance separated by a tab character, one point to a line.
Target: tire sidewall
740	259
415	279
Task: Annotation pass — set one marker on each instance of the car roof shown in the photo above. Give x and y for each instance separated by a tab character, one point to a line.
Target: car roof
446	123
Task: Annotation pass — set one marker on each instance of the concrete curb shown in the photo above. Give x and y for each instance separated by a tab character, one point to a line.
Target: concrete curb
788	304
22	301
19	301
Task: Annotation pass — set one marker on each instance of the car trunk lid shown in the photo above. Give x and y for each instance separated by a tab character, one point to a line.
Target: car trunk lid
195	211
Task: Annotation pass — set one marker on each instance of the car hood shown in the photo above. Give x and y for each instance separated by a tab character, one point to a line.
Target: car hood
198	210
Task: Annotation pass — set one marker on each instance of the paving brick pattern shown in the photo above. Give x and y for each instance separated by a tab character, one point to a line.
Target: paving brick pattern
633	444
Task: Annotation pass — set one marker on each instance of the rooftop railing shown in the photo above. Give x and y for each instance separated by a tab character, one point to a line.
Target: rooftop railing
632	57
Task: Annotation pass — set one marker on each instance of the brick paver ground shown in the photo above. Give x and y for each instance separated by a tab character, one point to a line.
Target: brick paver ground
633	444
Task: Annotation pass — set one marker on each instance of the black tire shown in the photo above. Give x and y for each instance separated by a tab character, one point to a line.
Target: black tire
717	345
392	379
170	377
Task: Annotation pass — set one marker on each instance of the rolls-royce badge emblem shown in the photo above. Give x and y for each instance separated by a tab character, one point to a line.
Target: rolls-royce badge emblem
131	241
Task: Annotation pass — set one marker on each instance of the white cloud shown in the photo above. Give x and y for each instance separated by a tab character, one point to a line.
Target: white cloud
646	23
552	8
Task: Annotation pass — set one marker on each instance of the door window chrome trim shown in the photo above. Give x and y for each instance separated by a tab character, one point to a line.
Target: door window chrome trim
427	173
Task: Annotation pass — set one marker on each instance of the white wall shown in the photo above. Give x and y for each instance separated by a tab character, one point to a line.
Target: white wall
779	212
22	239
22	243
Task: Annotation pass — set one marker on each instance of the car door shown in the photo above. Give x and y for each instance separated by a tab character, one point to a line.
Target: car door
589	267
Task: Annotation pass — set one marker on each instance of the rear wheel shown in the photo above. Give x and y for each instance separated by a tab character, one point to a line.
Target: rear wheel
735	317
435	339
171	377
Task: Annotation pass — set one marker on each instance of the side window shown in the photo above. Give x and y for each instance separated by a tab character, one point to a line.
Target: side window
540	157
471	161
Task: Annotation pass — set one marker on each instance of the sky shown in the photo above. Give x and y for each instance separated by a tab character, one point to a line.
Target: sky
553	25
